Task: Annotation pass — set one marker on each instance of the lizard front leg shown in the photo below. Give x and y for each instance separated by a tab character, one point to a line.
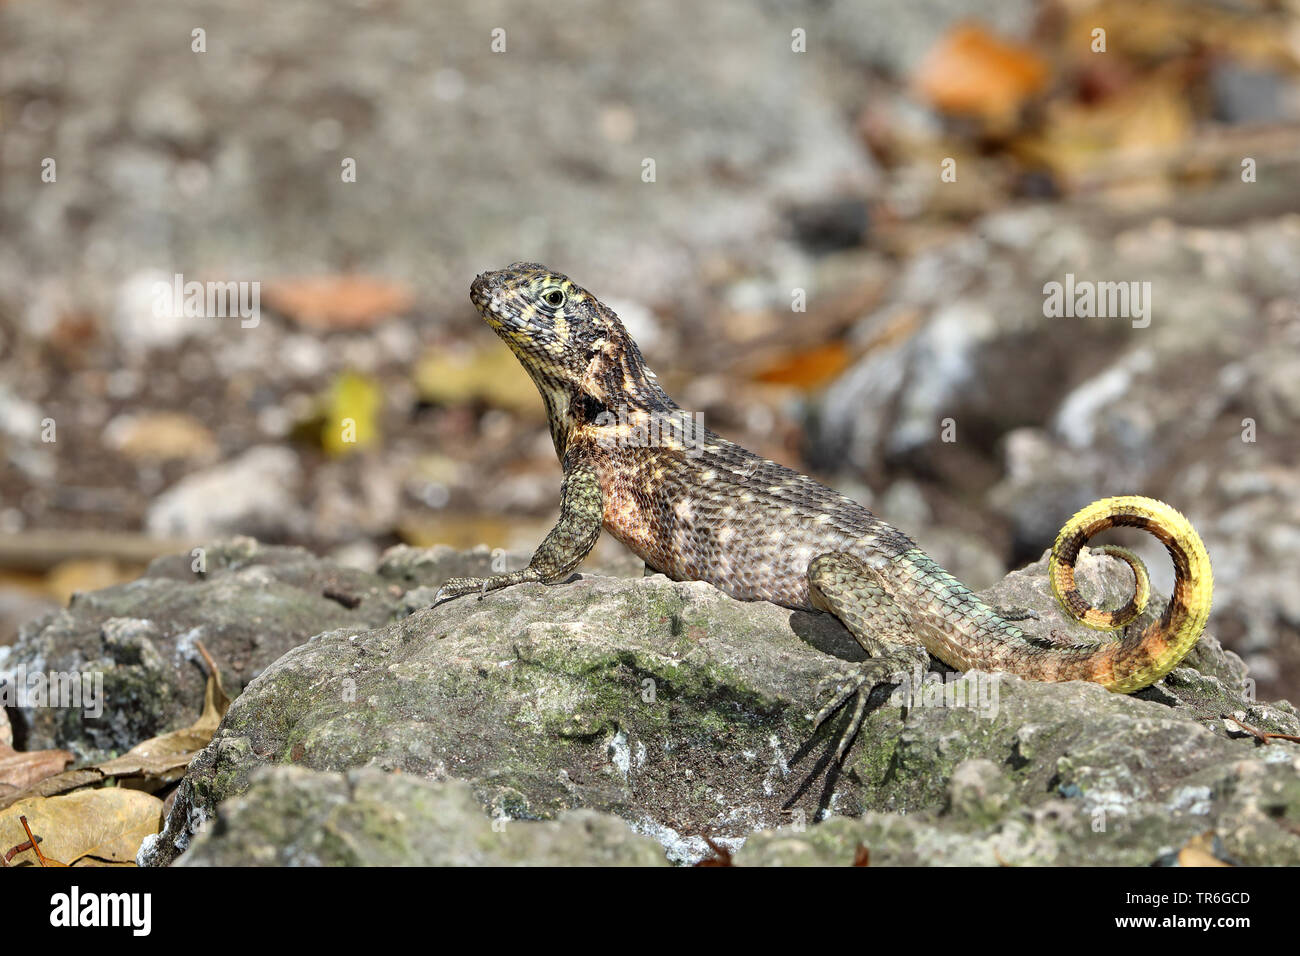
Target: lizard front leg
846	586
574	535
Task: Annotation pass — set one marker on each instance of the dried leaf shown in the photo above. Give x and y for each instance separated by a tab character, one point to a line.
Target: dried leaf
156	762
352	414
721	855
86	574
808	368
50	786
97	862
1199	851
161	436
108	824
338	302
20	770
1130	136
971	72
1160	30
460	531
157	756
491	375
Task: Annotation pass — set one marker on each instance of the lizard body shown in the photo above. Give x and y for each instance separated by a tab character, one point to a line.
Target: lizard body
695	506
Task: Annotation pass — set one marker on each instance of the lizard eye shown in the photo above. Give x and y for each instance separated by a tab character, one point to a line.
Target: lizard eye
554	298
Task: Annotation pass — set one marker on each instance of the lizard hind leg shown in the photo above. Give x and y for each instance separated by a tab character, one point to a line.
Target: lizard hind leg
847	587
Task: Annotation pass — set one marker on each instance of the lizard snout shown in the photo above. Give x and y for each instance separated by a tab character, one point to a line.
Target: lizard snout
485	287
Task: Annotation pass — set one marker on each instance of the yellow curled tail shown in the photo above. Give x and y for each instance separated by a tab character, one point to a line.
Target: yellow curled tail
1144	654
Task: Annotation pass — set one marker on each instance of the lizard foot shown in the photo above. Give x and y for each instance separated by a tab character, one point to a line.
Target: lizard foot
858	684
455	587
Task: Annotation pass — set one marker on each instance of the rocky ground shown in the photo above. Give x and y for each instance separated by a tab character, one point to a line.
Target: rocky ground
776	171
634	720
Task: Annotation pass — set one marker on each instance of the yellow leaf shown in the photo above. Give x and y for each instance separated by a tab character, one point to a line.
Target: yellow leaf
491	375
351	416
86	574
108	824
1199	851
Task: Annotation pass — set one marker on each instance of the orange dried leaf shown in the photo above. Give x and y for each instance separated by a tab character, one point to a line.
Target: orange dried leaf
809	368
20	770
1199	851
971	72
338	302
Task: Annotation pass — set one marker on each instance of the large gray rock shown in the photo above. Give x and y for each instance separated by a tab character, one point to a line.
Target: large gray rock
250	605
685	713
296	817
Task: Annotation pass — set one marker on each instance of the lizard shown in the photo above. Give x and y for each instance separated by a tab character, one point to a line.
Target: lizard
695	506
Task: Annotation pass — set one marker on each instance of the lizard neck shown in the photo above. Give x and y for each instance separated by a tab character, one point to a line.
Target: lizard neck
617	379
615	388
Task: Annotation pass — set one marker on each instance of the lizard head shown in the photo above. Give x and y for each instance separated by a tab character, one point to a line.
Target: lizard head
562	334
551	324
575	348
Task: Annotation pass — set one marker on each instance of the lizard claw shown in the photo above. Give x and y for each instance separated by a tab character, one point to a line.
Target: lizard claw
458	586
858	683
843	686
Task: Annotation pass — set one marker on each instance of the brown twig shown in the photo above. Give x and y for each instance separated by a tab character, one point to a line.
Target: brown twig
213	669
41	858
20	848
1262	736
721	855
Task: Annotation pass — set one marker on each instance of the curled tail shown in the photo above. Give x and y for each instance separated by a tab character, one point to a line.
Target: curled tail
1144	654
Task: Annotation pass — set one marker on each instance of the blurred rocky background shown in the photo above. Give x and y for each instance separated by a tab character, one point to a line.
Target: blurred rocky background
915	171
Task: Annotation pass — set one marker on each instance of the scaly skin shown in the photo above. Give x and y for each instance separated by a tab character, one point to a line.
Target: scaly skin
698	507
